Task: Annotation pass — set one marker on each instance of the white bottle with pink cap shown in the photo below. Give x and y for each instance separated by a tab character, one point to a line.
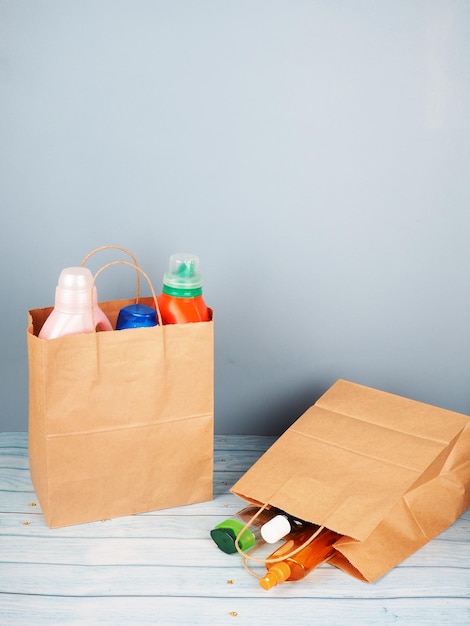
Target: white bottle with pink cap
72	312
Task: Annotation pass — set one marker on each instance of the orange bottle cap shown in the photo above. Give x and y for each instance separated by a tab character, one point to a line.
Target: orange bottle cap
277	573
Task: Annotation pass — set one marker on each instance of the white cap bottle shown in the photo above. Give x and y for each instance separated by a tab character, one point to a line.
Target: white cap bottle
277	528
72	312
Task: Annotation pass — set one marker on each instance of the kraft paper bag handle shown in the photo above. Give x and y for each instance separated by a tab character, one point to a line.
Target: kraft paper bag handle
139	271
126	251
247	556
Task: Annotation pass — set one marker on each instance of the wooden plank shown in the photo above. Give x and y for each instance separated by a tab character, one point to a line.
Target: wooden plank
15	440
131	611
243	442
169	523
238	461
180	578
162	567
15	479
191	552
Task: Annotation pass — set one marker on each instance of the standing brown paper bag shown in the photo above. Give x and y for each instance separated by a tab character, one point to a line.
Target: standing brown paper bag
120	422
387	473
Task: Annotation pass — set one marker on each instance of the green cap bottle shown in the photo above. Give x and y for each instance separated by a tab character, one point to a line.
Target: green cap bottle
226	533
183	279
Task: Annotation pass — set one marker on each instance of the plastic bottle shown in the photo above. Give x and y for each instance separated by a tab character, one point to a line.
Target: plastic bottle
181	299
136	316
72	312
225	533
297	566
281	525
270	526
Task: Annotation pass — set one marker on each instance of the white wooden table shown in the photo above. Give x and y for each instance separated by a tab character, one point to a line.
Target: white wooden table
163	568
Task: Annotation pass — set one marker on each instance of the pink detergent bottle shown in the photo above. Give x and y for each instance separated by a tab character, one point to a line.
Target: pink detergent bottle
72	312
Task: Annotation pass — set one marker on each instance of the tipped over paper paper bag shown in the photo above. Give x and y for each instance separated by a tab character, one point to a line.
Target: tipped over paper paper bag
386	472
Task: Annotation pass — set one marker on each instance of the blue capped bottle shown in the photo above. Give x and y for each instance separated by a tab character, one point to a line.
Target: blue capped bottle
136	316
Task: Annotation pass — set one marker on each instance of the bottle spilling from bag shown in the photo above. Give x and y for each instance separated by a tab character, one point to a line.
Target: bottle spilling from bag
181	300
76	307
281	525
297	566
269	525
225	534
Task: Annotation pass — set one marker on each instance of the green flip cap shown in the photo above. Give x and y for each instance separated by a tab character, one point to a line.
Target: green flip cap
225	534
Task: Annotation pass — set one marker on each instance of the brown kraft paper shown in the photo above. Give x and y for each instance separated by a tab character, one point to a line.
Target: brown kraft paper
386	472
120	422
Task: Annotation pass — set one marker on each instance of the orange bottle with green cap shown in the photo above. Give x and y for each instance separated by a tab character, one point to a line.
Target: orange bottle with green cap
181	300
298	565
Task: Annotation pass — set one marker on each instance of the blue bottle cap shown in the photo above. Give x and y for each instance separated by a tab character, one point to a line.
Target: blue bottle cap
136	316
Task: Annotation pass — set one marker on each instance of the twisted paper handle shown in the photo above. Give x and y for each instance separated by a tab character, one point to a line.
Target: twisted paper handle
126	251
139	271
247	556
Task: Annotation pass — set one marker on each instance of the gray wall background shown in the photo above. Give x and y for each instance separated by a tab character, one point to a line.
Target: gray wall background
314	154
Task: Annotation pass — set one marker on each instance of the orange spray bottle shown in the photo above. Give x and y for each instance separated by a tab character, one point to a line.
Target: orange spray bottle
297	566
181	299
